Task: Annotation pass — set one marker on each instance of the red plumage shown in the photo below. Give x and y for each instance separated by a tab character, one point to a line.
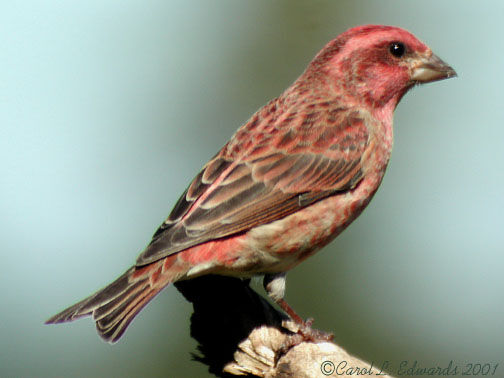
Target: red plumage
287	183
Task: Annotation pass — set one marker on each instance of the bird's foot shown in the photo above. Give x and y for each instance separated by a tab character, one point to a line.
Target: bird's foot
313	335
305	333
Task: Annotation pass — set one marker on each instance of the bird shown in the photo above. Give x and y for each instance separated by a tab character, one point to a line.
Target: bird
290	179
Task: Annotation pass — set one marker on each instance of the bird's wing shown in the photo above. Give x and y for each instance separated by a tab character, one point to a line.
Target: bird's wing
266	172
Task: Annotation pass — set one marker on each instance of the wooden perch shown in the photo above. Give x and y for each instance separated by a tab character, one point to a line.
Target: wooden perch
241	333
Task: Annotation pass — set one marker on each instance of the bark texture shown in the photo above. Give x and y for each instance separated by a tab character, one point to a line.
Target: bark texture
240	333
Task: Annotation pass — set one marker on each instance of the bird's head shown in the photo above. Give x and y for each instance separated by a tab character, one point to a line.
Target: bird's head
377	64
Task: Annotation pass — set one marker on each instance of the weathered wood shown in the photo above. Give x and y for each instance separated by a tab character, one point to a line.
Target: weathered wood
241	333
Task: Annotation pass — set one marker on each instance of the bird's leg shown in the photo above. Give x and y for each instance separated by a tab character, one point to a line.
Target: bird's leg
274	284
292	314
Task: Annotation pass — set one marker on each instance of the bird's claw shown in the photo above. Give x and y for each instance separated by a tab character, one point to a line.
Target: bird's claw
313	335
305	333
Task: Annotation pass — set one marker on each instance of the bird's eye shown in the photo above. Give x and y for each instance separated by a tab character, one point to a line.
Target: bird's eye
397	49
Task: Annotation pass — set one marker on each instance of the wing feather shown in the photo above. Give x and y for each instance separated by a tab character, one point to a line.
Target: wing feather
279	174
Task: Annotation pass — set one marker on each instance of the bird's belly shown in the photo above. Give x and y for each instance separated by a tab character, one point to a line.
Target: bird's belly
281	245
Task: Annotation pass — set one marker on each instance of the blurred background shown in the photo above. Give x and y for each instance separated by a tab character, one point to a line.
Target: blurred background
108	110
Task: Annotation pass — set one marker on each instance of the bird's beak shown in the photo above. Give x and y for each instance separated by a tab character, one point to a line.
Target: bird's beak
430	68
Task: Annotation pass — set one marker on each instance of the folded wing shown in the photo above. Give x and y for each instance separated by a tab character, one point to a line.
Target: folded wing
286	169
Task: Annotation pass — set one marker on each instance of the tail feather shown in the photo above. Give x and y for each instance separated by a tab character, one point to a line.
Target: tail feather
123	309
107	308
112	331
115	306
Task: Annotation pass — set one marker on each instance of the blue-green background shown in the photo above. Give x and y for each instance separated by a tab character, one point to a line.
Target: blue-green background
109	108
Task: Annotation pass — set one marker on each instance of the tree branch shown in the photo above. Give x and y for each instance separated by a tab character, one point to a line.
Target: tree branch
240	333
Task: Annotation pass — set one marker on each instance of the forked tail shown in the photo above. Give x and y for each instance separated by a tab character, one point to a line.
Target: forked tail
115	306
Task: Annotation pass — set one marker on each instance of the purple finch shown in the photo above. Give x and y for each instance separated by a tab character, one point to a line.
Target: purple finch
298	172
